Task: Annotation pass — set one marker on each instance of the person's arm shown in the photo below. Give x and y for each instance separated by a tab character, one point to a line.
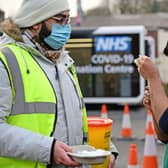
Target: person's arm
155	98
162	125
159	103
149	71
159	100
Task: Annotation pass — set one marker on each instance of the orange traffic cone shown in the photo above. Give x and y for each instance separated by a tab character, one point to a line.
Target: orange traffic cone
133	157
149	118
150	154
126	131
104	113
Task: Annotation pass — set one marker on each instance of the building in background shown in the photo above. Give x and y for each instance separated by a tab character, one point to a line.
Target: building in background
1	15
113	86
156	24
80	14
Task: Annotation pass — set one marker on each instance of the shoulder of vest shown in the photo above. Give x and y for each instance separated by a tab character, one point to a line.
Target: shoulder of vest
9	46
71	69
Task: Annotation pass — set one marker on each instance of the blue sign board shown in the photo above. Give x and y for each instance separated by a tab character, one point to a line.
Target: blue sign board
112	44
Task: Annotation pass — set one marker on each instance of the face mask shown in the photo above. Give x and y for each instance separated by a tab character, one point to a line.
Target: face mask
59	36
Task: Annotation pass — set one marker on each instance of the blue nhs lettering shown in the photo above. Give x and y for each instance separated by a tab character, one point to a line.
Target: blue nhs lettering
112	43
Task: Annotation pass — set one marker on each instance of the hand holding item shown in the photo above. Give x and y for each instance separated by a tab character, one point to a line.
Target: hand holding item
60	155
147	68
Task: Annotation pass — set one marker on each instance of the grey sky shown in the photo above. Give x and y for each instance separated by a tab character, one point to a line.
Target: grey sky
10	6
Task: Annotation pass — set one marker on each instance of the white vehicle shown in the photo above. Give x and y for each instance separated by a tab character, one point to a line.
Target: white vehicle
104	59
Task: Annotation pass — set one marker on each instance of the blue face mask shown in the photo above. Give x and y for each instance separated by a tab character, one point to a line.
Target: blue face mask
59	36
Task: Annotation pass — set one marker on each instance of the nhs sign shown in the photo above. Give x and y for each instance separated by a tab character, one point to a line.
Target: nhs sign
112	44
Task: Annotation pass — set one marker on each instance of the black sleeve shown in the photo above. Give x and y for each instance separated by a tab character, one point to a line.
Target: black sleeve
51	154
52	151
163	123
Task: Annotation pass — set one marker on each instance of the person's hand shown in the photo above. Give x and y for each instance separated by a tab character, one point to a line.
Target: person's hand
146	99
60	155
111	161
147	68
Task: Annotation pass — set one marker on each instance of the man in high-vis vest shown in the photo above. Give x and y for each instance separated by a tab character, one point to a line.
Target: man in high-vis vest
42	113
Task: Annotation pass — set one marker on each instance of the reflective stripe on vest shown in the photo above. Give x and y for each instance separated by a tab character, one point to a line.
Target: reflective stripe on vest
21	106
33	101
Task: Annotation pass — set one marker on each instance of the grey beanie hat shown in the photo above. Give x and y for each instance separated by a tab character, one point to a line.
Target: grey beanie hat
32	12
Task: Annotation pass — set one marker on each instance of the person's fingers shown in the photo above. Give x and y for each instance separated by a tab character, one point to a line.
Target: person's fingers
147	103
61	156
147	88
146	97
66	160
136	62
66	148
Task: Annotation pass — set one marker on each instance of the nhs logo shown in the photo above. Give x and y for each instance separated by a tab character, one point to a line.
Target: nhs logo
112	43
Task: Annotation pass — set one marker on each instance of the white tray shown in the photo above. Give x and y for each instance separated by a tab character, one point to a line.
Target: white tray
87	154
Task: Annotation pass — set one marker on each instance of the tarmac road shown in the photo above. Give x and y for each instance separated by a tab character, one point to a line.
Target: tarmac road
138	122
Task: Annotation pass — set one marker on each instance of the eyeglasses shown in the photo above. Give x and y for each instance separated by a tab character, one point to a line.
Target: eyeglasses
62	19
